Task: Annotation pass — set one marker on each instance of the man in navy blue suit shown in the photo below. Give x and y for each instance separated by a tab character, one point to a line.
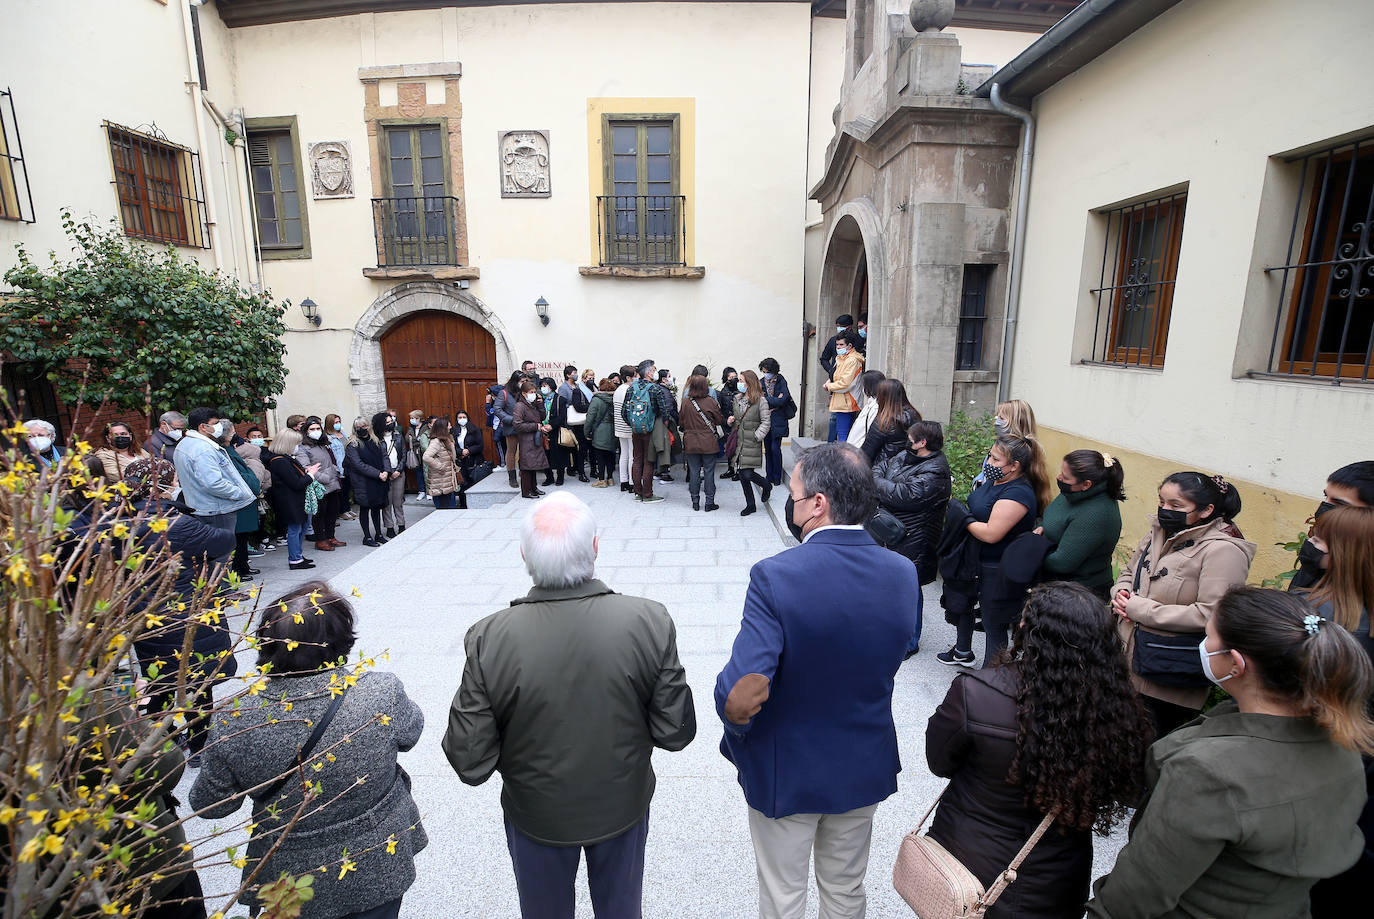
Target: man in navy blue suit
807	695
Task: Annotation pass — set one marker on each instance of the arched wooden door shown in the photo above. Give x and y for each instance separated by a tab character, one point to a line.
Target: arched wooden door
440	364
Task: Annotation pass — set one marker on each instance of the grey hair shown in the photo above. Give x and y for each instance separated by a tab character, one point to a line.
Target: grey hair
558	542
840	472
171	418
45	425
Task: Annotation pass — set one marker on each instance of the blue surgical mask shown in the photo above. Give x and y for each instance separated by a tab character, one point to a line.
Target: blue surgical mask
544	390
338	426
1207	664
839	329
741	387
257	441
863	333
841	351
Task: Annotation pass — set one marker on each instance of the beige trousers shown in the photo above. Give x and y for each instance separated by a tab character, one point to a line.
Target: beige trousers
783	849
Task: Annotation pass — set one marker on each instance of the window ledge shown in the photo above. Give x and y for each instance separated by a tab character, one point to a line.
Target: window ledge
686	272
976	376
1305	380
1109	365
424	273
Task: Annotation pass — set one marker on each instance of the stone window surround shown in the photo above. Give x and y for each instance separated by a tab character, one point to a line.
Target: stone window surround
413	105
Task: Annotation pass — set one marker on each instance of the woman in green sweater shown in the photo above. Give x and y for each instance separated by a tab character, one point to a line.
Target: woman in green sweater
1084	522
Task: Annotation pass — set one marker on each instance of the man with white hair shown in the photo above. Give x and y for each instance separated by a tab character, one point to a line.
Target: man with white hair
171	427
567	693
41	439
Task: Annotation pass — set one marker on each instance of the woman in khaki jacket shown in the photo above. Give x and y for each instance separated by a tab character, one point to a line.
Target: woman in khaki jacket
1180	571
110	461
844	383
441	466
752	419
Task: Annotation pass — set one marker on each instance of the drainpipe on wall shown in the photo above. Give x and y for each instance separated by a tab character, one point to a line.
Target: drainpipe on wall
1018	234
193	84
240	153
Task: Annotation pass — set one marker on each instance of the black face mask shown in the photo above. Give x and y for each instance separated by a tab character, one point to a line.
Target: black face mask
1064	487
364	434
121	441
1322	509
1309	556
1172	521
391	425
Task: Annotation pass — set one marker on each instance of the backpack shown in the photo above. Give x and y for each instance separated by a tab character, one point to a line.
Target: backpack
640	407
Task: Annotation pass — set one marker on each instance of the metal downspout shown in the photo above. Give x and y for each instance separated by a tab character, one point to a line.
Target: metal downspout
193	84
1018	245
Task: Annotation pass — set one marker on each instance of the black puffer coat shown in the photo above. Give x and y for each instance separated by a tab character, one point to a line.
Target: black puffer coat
916	491
982	819
363	464
884	443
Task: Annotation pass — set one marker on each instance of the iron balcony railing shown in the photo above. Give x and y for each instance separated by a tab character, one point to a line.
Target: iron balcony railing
416	231
642	229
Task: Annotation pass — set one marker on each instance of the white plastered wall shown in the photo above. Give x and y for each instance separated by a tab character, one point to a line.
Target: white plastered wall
535	67
1206	94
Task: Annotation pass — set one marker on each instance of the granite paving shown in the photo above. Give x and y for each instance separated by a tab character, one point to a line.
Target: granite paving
421	592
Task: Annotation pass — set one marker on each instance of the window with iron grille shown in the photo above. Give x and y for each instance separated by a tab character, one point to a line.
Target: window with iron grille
15	195
642	218
973	314
1324	323
161	194
274	157
1135	291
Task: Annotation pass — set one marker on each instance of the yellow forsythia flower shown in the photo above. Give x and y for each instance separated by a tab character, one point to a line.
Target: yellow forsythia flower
159	525
391	845
346	867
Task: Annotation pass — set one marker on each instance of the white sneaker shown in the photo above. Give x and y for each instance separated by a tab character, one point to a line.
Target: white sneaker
420	498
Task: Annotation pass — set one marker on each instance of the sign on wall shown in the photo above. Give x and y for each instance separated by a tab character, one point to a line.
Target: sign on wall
524	164
331	169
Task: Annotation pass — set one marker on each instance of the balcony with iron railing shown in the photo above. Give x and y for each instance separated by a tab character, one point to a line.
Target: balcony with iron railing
418	237
641	236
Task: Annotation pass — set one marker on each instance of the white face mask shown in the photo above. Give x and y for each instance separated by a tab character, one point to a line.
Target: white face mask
462	422
1207	664
40	444
315	433
174	433
530	397
217	431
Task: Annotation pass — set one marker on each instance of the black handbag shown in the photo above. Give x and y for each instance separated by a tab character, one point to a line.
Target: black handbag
1167	658
886	530
474	474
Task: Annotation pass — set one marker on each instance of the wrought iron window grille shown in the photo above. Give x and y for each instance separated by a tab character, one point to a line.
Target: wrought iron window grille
647	230
416	231
1135	290
1324	320
973	313
159	186
14	173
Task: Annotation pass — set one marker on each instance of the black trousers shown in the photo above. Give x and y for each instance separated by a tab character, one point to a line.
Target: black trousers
578	460
327	517
1001	608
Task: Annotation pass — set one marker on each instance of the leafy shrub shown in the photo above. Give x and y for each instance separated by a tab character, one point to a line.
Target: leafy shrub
967	442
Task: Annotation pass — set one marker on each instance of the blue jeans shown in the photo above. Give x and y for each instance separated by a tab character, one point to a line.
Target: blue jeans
772	455
444	502
420	477
830	432
701	470
294	532
843	422
545	875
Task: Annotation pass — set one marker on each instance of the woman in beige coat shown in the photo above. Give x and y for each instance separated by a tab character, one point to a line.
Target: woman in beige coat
110	461
441	466
752	419
1180	571
844	385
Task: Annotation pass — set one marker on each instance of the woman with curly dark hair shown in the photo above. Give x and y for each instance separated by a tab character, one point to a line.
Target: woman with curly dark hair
1054	725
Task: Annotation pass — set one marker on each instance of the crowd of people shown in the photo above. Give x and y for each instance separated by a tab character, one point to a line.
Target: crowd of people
1096	697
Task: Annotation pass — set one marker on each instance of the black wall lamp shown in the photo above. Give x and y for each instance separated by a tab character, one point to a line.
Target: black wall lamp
541	306
311	311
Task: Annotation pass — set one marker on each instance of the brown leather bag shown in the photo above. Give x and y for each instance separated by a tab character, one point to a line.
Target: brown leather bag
936	885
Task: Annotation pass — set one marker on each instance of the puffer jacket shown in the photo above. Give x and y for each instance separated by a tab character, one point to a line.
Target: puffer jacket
441	472
1176	583
884	443
983	819
916	491
252	458
601	421
363	461
753	422
328	474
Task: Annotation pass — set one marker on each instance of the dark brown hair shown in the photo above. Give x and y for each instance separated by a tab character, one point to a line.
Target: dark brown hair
698	386
895	411
1092	466
305	629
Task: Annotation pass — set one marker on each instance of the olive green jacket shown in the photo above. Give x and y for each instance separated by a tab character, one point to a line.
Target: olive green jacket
566	694
1244	814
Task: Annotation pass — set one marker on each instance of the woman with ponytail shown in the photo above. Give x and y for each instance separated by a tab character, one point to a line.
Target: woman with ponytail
1252	803
1084	521
1014	491
1165	596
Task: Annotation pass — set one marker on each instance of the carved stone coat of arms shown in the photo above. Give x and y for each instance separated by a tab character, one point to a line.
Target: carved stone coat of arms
524	164
331	169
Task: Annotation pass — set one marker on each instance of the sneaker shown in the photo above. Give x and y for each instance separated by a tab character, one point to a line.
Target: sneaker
255	553
301	565
652	499
380	539
956	658
194	761
421	498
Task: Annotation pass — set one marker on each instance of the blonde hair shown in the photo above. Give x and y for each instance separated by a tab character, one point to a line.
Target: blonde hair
1020	418
286	441
1348	584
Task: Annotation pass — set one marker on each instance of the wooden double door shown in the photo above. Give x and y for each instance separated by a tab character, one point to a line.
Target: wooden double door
440	364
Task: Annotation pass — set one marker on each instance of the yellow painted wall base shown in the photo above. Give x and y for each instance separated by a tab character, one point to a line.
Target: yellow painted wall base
1268	516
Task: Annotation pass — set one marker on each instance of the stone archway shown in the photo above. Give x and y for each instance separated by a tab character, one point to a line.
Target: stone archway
854	256
365	369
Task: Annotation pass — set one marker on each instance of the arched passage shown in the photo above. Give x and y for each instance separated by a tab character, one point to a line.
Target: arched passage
367	369
853	280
